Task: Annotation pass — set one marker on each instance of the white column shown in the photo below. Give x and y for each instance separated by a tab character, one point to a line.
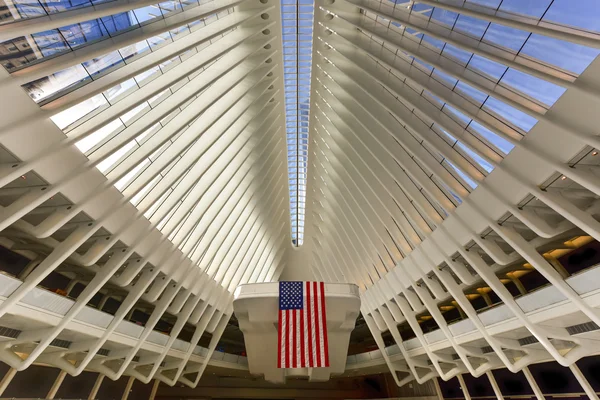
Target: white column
463	386
128	388
96	387
56	385
30	267
8	377
71	285
438	390
495	386
583	382
536	389
154	389
103	301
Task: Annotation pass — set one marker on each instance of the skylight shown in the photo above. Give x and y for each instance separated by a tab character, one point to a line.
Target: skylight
297	21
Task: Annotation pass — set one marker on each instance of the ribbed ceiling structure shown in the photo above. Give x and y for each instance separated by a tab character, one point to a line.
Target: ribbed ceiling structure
145	151
453	149
161	154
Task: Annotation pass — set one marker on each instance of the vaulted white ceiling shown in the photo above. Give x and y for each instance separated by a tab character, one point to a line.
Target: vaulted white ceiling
223	142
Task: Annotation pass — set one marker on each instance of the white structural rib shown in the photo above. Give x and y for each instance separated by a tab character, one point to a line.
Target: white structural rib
453	149
152	171
444	158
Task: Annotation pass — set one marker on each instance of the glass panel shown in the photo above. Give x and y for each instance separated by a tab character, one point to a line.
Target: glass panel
297	49
530	8
536	88
21	51
79	111
61	81
585	15
565	55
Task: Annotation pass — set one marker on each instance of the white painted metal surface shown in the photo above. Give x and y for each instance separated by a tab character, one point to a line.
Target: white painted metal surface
164	162
449	141
256	308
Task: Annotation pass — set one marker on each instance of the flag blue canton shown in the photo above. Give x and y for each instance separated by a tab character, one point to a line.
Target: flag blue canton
290	296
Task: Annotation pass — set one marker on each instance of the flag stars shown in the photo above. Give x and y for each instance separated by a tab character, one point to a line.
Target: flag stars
302	327
290	295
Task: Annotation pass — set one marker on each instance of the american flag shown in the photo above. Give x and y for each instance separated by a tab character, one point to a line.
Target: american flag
302	325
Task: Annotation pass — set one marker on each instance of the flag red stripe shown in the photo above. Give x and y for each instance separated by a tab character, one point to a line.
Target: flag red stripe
293	349
324	315
290	337
287	341
302	334
309	311
317	323
279	342
309	337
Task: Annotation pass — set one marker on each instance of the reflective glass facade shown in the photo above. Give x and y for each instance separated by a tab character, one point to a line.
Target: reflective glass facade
61	82
23	51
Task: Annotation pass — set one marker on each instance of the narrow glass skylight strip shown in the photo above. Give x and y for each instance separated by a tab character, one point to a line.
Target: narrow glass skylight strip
297	22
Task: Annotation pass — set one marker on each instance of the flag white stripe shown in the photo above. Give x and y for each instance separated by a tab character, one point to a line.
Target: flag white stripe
321	323
283	337
291	337
298	338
